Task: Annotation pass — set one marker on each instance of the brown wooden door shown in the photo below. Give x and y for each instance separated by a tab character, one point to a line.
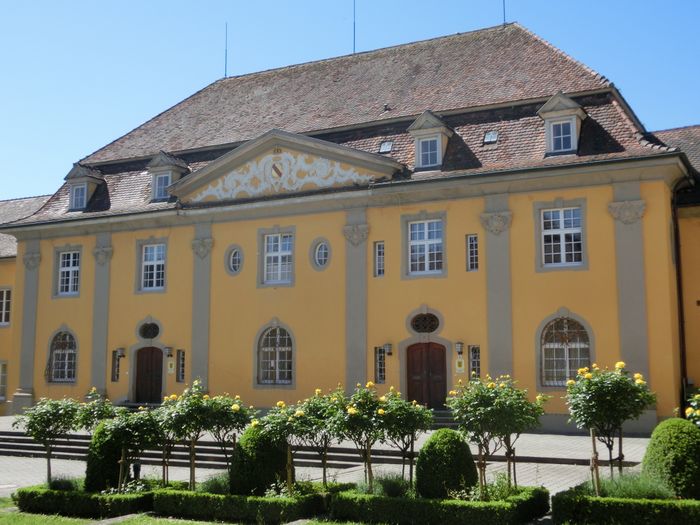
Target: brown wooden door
149	375
427	374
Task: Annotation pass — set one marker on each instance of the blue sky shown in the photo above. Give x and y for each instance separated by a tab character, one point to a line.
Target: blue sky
79	74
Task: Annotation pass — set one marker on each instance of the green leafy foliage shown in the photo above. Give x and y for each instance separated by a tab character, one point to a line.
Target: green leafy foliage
692	411
228	417
673	456
218	484
258	461
444	463
102	470
62	483
94	410
393	486
634	486
576	506
81	504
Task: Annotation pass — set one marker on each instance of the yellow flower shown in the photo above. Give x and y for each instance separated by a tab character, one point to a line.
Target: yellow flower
583	370
381	412
93	389
588	375
697	412
318	391
142	408
166	398
251	407
358	385
290	418
173	397
281	404
237	397
638	376
391	388
689	411
640	382
570	382
620	365
235	407
254	423
491	385
414	402
453	393
501	385
696	396
541	397
206	396
369	384
299	413
352	411
595	365
459	382
382	399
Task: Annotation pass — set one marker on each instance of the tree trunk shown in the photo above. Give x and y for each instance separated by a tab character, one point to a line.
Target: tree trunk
610	459
370	476
290	466
515	477
410	463
324	459
620	455
122	470
481	465
595	476
193	454
508	459
48	467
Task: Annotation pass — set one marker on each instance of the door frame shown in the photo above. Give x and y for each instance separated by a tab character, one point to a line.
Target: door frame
132	367
425	338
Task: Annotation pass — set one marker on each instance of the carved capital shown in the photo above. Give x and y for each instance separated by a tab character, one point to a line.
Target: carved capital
356	234
202	247
627	212
31	260
496	222
102	254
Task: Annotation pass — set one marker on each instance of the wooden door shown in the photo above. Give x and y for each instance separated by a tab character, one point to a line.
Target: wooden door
427	374
149	375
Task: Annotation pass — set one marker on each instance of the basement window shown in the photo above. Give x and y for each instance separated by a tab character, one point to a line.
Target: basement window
385	146
491	137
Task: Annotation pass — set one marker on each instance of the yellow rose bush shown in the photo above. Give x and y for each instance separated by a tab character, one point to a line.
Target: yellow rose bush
692	412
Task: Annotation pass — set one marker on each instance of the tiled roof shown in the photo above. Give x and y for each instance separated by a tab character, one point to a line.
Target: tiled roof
490	66
12	210
686	139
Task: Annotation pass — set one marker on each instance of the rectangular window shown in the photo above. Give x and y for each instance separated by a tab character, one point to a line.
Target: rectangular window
180	371
161	183
278	258
5	301
63	366
78	196
3	381
153	267
562	136
562	240
68	273
115	366
475	360
428	152
425	247
379	258
472	253
379	365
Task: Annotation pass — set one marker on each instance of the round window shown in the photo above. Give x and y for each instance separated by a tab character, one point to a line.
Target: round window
234	260
149	331
425	323
321	254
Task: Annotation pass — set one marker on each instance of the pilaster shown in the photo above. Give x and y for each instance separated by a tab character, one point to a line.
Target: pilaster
201	303
356	231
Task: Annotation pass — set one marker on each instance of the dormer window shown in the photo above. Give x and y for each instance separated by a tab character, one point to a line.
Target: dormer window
562	135
429	155
160	186
78	196
562	120
491	137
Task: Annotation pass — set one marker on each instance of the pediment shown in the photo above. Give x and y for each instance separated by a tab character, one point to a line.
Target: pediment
427	120
559	105
282	163
82	172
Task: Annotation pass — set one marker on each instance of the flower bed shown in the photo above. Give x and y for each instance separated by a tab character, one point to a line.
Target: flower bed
575	506
80	504
530	504
248	509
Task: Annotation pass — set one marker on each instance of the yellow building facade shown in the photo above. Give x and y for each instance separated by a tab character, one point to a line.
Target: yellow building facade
411	252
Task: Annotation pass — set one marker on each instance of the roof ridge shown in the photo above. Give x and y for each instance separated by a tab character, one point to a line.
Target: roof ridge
599	76
676	128
16	199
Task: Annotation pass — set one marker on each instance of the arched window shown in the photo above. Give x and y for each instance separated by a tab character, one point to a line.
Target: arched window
62	358
565	348
275	357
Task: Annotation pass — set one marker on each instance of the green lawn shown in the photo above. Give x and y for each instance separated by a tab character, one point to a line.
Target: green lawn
6	502
19	518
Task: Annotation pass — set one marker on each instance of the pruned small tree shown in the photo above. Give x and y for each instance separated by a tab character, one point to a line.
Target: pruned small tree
403	422
601	401
46	422
95	409
228	418
168	434
283	424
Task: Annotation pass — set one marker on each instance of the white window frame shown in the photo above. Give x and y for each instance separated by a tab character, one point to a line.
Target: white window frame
278	263
180	367
472	252
5	306
427	244
154	266
75	204
474	360
551	138
562	232
571	363
379	365
273	354
160	191
68	279
69	358
419	151
379	259
115	367
3	380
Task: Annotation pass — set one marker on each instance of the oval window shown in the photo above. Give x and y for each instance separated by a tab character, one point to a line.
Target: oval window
425	323
234	260
149	331
321	254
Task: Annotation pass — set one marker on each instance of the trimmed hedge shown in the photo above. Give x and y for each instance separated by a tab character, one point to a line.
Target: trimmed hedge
258	461
248	509
444	463
81	504
574	506
531	504
102	469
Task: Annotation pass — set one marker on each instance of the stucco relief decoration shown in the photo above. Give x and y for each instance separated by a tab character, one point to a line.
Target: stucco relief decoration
102	254
31	260
281	172
627	212
356	234
202	247
497	222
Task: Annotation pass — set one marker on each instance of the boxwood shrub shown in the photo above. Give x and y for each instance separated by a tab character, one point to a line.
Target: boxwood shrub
575	506
258	461
80	504
102	469
444	463
232	508
530	504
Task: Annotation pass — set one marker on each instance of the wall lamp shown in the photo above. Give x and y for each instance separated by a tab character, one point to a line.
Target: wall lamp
121	353
459	346
168	351
388	348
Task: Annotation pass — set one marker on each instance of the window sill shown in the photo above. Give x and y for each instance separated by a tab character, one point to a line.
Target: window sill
274	386
4	325
425	275
150	290
560	153
66	295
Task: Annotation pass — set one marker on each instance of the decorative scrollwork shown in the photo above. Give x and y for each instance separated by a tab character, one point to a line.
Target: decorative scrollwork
627	212
496	222
202	247
356	234
31	260
102	254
